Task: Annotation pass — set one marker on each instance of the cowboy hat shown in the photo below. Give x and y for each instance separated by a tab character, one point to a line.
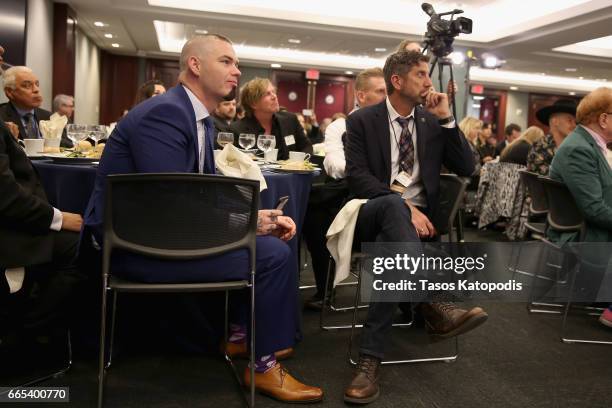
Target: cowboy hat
561	105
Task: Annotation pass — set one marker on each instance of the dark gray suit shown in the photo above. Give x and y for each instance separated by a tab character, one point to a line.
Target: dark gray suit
8	113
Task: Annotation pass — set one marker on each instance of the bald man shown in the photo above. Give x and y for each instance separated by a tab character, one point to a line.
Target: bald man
174	132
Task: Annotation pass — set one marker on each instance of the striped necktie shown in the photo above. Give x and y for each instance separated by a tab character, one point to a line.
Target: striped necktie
406	147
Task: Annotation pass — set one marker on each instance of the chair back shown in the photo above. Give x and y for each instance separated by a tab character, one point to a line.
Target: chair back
535	189
563	212
180	216
452	193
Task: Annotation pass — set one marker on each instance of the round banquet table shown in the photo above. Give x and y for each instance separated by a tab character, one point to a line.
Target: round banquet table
69	187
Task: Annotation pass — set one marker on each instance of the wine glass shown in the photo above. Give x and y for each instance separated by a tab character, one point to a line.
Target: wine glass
76	133
246	140
96	132
266	143
224	138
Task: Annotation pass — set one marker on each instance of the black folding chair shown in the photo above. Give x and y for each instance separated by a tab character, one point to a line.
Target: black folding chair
177	217
565	216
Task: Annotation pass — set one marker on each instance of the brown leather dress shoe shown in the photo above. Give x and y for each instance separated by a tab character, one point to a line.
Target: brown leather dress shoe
445	320
279	384
364	388
239	350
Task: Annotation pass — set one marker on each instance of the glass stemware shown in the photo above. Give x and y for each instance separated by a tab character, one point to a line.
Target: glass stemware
224	138
96	132
76	133
246	140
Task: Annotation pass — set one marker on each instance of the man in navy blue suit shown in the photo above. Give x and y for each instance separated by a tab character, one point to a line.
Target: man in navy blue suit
174	132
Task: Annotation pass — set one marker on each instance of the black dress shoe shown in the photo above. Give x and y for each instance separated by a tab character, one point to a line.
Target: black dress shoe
314	303
364	388
445	320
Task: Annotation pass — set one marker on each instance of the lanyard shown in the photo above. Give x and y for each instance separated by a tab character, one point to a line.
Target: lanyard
393	128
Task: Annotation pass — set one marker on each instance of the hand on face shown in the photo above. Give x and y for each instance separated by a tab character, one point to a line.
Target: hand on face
437	104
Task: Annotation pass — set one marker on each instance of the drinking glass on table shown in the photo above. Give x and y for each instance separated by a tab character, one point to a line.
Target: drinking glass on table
266	143
97	132
76	133
246	140
224	138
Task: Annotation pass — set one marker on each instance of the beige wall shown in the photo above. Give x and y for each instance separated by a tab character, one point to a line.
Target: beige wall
517	108
39	46
87	81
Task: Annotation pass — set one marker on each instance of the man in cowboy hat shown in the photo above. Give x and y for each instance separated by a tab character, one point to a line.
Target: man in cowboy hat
561	120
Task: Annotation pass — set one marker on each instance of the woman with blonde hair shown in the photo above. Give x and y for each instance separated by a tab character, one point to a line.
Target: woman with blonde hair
517	151
471	128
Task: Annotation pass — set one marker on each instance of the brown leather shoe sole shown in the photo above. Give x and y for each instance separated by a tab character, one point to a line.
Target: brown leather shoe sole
470	324
309	401
362	401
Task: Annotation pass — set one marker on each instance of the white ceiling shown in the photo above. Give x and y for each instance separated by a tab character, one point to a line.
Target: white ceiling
541	37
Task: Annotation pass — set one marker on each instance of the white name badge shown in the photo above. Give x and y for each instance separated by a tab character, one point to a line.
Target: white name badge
403	178
289	140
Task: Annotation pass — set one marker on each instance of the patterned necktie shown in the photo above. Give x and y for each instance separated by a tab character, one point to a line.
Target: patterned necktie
30	127
406	147
206	150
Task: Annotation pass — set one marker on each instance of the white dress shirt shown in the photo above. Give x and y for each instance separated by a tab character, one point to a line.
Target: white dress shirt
335	161
415	191
201	113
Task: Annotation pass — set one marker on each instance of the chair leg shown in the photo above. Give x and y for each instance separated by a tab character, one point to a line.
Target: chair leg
112	329
101	357
328	295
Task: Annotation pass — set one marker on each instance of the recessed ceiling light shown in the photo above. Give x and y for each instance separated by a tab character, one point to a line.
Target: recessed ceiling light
514	88
542	73
380	49
201	31
275	65
294	41
348	72
476	105
115	45
572	93
580	77
108	35
99	24
478	97
491	61
571	69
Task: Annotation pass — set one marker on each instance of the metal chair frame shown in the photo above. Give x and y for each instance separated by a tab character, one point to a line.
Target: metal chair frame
116	285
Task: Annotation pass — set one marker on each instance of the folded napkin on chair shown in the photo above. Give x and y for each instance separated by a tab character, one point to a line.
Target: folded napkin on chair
340	238
14	277
233	163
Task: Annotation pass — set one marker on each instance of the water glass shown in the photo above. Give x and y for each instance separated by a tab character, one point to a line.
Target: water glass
96	132
224	138
246	140
76	133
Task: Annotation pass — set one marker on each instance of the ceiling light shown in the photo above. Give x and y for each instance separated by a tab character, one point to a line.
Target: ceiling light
542	73
514	88
294	41
380	49
580	77
99	24
572	93
200	31
108	35
115	45
457	58
275	65
478	97
348	72
490	61
571	69
476	105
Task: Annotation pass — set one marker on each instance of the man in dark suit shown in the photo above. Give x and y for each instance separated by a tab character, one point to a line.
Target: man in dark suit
34	236
511	133
224	115
394	153
173	132
23	110
258	97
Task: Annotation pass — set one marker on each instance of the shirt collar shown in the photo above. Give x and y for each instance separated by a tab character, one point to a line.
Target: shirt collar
598	139
22	112
198	107
393	113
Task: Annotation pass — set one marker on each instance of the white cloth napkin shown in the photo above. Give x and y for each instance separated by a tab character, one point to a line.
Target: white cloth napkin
232	162
14	277
340	238
53	128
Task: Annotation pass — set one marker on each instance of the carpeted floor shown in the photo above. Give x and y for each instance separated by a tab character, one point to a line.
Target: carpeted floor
514	360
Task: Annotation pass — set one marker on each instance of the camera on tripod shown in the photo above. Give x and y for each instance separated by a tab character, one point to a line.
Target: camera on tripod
441	33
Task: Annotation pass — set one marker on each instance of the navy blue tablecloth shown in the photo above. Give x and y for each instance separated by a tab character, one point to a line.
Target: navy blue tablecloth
69	187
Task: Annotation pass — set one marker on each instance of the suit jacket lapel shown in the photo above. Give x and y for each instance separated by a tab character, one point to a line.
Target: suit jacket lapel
421	129
194	130
17	120
381	128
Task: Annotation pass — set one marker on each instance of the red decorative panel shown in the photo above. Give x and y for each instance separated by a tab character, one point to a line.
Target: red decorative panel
329	99
292	94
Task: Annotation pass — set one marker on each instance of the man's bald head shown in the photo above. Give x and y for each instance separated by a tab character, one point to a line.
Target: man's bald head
198	47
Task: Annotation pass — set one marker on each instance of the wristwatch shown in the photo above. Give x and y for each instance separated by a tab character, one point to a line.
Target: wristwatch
446	121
